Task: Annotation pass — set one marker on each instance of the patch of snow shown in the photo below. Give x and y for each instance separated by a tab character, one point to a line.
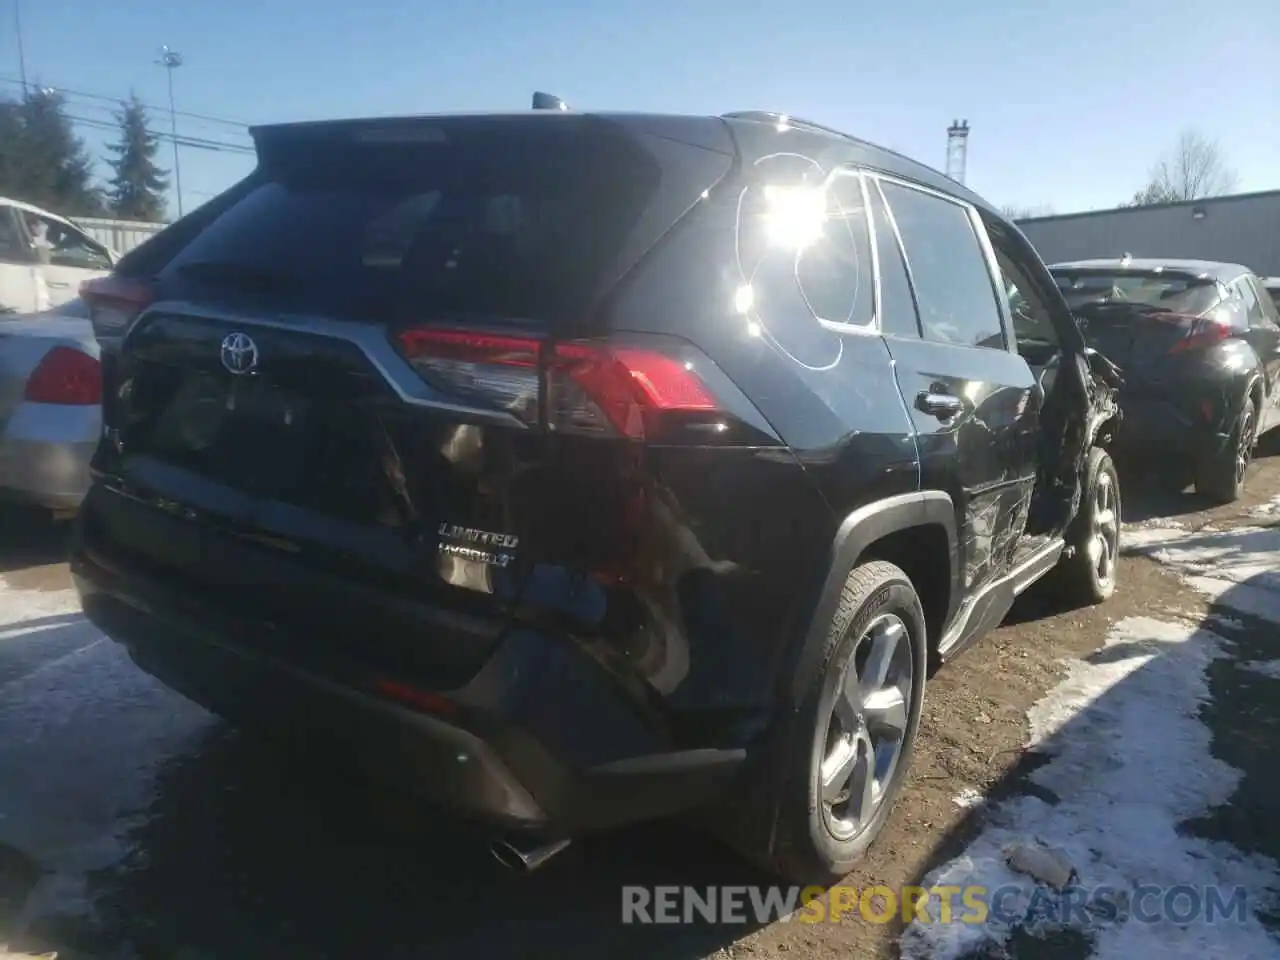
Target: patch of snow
1138	538
968	798
1129	762
21	608
1255	600
1268	510
68	693
1266	668
1239	568
1162	522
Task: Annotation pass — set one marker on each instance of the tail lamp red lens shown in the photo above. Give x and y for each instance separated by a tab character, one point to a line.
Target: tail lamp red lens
1200	331
410	696
65	376
592	387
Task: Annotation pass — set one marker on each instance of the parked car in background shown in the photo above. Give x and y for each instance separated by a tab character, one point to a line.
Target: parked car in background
589	468
44	258
50	411
1198	344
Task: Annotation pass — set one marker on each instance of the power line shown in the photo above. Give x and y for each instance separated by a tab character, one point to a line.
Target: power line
182	140
119	100
83	105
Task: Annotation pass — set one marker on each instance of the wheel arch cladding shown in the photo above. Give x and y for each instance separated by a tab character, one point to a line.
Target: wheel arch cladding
908	530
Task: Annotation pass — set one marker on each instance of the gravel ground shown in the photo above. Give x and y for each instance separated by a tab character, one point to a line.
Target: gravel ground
132	824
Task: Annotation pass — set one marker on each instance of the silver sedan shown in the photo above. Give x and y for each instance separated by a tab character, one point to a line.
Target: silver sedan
50	407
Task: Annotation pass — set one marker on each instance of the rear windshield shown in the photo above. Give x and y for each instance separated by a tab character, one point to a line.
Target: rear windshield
1174	292
500	218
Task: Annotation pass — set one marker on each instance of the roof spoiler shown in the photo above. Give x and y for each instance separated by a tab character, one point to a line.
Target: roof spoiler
546	101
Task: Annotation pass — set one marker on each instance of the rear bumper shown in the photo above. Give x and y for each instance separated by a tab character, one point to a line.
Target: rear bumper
45	451
1152	426
466	749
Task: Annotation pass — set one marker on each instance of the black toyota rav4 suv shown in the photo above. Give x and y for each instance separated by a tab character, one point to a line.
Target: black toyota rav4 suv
584	468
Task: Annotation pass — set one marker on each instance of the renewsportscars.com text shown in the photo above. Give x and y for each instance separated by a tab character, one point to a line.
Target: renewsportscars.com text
1079	906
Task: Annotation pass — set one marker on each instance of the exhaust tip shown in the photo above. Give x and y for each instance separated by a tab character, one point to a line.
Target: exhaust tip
522	859
507	855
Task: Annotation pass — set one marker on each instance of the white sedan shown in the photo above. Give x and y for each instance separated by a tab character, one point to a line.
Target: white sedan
50	407
44	258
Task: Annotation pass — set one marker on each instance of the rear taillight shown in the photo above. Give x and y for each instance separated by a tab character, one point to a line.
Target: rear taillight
591	387
1200	332
599	388
500	370
65	376
113	303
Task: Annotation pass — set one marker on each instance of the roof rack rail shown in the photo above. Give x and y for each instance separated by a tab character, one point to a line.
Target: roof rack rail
772	116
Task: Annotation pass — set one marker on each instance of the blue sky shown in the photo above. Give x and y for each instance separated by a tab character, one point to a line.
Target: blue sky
1069	105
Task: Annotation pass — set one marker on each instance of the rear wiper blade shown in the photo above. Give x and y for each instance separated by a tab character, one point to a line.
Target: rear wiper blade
237	272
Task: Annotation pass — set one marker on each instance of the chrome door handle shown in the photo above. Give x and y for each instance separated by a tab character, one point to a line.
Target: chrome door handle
60	284
941	405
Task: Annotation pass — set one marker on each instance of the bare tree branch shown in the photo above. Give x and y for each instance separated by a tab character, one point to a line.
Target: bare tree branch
1014	211
1194	168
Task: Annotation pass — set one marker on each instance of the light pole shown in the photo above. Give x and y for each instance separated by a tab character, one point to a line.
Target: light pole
22	56
171	60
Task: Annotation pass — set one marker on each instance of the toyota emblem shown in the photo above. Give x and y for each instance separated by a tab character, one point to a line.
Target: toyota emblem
239	353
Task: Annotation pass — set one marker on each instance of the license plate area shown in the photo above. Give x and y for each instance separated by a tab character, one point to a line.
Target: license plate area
245	433
277	443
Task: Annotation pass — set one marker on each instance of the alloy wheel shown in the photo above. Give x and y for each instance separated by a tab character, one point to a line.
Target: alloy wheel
1245	443
866	730
1104	533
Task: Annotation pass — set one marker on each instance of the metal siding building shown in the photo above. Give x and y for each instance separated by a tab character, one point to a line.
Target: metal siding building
1244	229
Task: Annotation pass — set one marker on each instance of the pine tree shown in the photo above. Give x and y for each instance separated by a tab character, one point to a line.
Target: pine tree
136	192
10	149
49	163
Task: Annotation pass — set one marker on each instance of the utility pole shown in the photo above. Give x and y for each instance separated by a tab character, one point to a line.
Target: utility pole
171	60
22	56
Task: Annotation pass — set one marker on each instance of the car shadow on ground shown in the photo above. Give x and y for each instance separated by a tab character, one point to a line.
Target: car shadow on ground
241	849
1242	714
1152	492
30	538
247	853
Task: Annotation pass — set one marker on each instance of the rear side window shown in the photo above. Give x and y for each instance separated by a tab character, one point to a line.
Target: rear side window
1252	305
953	285
517	220
834	273
1266	301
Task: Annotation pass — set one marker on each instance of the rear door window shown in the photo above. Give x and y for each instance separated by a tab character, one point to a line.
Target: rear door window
14	246
897	306
61	245
512	220
954	289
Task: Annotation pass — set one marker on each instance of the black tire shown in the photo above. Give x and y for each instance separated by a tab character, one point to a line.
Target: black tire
877	596
1221	476
1088	574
